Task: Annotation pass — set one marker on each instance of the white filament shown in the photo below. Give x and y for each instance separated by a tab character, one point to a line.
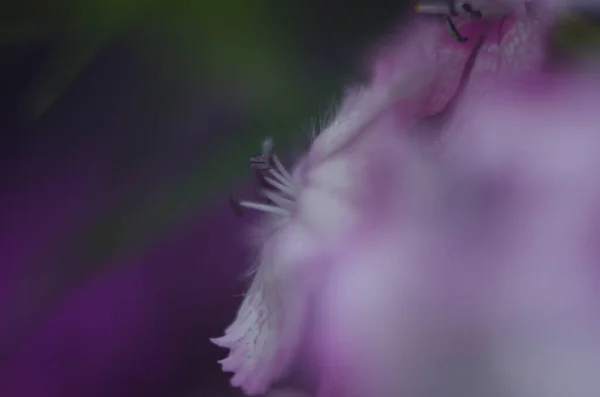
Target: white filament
272	209
284	172
283	188
283	198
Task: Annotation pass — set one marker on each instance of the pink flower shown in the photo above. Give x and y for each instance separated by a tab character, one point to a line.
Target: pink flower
485	274
538	312
408	256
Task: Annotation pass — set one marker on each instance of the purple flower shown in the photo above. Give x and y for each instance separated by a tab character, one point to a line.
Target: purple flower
457	265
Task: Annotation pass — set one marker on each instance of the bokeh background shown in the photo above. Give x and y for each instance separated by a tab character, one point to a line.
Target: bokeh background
124	126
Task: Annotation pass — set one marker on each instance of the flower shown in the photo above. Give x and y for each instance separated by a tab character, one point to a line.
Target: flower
383	245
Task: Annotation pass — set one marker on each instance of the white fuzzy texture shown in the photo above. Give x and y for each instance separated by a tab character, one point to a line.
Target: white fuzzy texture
265	336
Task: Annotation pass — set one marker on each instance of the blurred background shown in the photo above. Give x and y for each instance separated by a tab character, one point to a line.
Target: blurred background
124	126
